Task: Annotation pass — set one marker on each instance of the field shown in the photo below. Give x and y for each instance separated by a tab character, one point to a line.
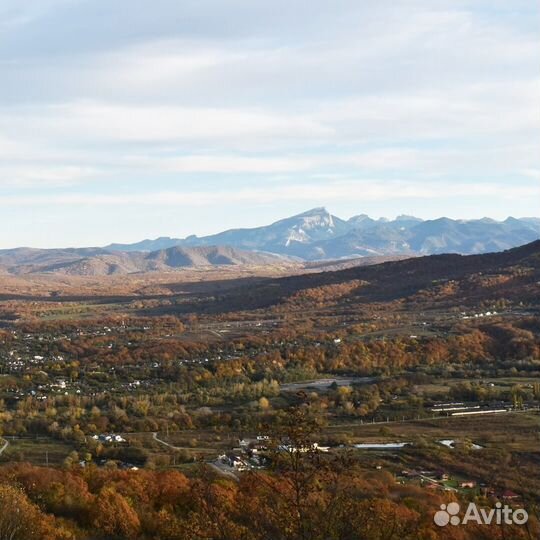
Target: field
37	450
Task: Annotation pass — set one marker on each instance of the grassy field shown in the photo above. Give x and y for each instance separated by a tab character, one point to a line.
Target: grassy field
509	457
39	451
519	430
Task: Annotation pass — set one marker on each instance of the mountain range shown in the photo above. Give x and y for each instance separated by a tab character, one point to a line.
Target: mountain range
319	235
313	237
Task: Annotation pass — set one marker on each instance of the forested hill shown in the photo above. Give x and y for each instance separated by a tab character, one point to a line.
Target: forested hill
512	274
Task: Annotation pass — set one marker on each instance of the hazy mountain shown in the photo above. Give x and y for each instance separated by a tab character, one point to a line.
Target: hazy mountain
318	235
283	236
476	236
28	260
100	262
163	242
187	257
362	221
381	239
315	235
279	237
533	223
30	256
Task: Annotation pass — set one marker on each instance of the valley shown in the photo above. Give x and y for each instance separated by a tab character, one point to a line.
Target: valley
169	372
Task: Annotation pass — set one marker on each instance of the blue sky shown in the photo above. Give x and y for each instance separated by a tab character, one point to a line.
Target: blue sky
131	119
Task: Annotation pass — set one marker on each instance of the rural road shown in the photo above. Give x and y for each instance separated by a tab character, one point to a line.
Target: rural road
4	446
156	438
320	384
213	466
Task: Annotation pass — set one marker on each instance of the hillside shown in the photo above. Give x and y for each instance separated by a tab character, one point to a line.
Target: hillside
181	257
102	262
450	280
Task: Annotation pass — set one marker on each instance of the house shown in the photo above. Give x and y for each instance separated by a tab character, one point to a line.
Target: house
258	461
236	462
109	438
509	495
469	484
303	449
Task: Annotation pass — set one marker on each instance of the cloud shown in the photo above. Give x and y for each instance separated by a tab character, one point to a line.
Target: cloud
219	164
531	173
475	110
488	110
380	159
330	191
100	122
499	160
16	13
250	103
24	176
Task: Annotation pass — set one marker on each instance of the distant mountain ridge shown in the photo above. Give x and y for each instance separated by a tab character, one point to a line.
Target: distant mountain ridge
319	235
100	262
315	235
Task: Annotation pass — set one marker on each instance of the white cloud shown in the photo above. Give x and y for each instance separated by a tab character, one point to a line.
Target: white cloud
236	164
531	173
495	109
463	112
331	191
90	121
43	175
443	95
15	13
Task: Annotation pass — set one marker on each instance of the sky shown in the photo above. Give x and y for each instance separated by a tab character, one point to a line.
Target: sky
127	119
